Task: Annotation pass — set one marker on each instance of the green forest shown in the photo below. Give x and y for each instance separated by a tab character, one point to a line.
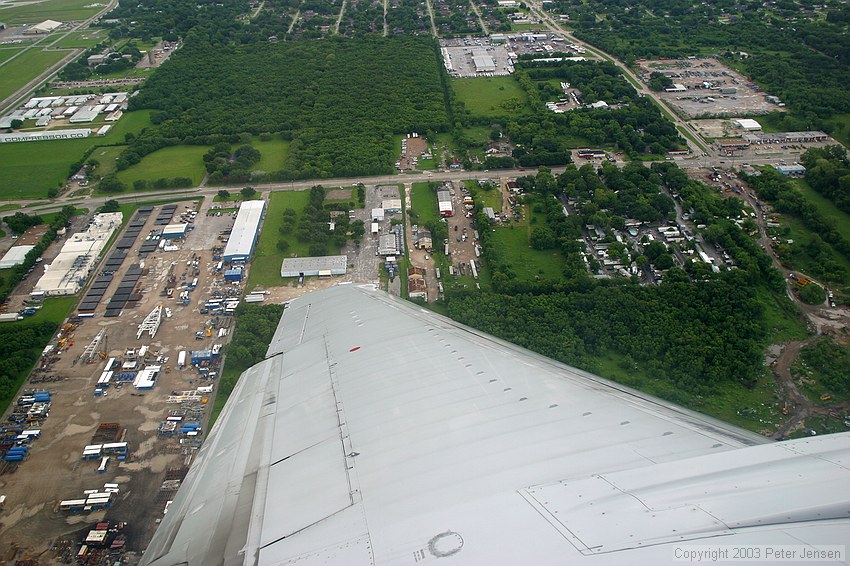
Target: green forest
341	102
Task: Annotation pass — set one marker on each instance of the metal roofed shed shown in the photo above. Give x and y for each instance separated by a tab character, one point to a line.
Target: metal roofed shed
240	245
312	266
175	231
15	256
483	62
378	433
748	124
86	114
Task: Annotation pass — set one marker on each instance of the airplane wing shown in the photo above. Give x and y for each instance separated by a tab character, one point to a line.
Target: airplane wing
376	432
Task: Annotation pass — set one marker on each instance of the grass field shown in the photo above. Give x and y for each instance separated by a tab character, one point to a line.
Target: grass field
8	52
19	71
175	161
106	156
273	154
423	202
27	170
59	10
487	96
265	266
528	264
86	39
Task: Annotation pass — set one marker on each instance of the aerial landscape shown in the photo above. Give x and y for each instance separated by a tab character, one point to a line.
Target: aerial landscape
635	208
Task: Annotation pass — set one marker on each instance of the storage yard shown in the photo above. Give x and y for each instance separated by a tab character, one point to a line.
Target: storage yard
127	384
705	87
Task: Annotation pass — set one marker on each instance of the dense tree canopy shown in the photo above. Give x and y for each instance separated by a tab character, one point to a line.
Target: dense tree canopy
339	101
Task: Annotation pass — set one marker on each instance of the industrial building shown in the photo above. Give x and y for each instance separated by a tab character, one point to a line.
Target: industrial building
46	26
748	124
378	214
787	137
323	266
87	114
388	245
483	62
43	136
391	205
795	169
15	256
243	237
444	203
78	257
175	231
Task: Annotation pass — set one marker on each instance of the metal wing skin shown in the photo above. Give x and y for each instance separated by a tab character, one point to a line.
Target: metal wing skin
376	432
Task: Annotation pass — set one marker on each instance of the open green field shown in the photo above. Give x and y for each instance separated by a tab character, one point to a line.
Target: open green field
27	170
85	39
168	162
273	154
423	202
8	52
490	96
265	266
106	156
19	71
34	12
825	207
528	264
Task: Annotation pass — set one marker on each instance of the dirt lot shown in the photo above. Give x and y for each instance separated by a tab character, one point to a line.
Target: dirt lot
411	150
704	79
54	470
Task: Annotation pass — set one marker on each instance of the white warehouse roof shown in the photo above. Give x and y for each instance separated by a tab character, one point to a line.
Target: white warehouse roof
15	256
311	266
240	245
378	433
747	124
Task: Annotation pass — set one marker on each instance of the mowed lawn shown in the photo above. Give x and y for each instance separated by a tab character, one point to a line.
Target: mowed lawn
487	96
8	52
19	71
168	162
273	154
527	263
87	38
423	201
28	169
265	266
59	10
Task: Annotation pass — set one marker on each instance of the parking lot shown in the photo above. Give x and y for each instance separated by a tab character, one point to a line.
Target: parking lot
458	57
709	88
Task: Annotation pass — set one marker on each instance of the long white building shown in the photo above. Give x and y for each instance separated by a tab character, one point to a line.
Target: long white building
68	272
243	237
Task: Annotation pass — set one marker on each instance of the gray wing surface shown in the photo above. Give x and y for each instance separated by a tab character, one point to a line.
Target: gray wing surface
376	432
